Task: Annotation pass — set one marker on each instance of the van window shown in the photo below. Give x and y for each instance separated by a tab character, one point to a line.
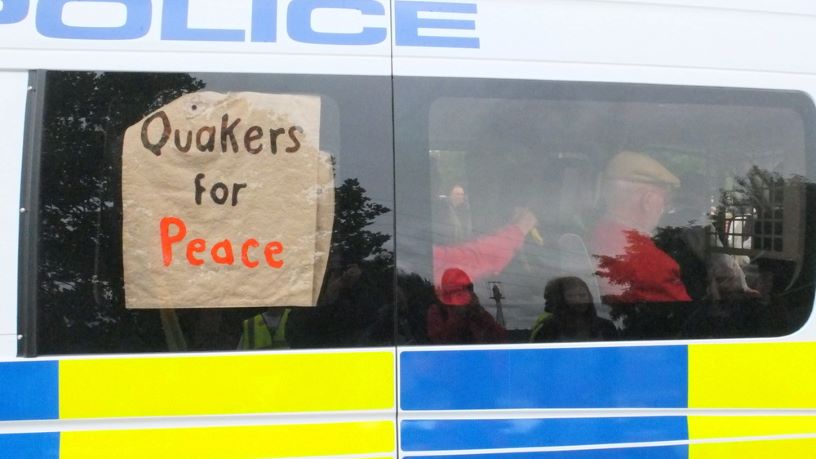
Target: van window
96	287
554	211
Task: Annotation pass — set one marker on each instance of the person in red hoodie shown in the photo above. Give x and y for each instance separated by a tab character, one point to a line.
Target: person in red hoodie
459	318
632	269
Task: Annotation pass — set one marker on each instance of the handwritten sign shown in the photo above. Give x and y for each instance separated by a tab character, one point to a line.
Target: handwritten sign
227	202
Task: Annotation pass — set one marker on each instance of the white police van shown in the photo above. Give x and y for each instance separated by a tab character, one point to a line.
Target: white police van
440	135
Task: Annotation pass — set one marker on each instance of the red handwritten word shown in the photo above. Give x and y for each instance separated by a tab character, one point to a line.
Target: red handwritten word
173	230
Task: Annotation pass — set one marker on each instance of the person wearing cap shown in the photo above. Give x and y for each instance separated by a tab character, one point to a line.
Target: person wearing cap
459	318
632	269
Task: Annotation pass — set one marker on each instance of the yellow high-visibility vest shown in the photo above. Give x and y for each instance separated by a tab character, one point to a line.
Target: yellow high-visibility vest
265	331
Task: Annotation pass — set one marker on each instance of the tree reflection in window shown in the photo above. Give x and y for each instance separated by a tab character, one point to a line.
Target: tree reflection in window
80	292
80	295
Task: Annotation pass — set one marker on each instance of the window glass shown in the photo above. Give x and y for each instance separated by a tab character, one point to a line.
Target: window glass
548	211
107	142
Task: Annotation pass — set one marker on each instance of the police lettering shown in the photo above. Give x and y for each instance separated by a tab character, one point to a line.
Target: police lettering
409	20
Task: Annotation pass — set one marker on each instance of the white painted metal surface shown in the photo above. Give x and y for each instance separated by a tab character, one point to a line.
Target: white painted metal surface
13	88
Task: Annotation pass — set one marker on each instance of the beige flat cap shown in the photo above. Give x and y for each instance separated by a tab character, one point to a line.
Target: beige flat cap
637	167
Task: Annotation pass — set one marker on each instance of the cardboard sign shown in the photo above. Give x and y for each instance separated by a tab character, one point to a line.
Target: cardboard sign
227	202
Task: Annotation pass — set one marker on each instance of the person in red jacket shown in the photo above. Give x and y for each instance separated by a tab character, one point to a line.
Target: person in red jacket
487	255
459	318
631	268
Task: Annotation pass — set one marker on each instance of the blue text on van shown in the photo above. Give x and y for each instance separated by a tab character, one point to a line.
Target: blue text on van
408	18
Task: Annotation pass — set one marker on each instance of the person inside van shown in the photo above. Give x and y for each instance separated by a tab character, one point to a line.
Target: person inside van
570	315
458	226
486	255
632	269
458	317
